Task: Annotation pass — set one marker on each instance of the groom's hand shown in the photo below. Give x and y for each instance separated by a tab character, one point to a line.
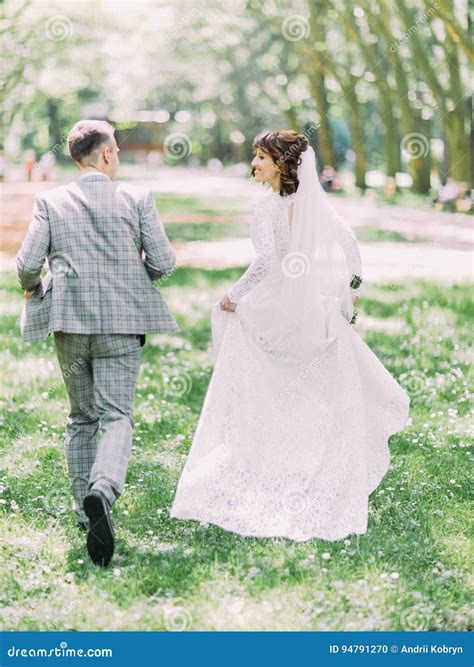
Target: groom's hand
227	304
29	294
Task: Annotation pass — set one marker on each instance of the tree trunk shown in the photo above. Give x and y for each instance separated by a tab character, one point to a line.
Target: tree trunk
56	138
457	145
421	166
356	123
327	154
410	118
392	141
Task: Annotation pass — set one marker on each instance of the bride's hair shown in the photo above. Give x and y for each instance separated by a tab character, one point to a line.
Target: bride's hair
285	148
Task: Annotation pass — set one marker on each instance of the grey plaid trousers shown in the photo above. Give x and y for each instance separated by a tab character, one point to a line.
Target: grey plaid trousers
100	373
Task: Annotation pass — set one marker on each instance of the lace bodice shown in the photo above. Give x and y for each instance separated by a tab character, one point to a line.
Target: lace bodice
270	235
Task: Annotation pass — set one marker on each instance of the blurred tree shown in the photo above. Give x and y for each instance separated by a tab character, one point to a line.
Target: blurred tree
317	79
221	72
437	59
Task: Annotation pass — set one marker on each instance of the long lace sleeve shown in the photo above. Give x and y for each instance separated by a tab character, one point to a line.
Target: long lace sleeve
350	244
264	242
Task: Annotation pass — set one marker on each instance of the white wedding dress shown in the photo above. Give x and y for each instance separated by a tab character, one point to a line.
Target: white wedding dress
282	448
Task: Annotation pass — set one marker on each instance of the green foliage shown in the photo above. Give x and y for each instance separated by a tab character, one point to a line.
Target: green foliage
374	78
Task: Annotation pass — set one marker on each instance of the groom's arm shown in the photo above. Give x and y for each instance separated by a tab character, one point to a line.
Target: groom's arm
159	257
35	248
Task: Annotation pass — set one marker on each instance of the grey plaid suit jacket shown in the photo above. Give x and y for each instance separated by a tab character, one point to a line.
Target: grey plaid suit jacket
105	246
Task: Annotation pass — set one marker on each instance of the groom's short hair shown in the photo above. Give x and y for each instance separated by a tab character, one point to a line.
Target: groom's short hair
87	136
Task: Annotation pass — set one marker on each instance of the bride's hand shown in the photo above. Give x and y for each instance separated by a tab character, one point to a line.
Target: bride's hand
227	304
354	300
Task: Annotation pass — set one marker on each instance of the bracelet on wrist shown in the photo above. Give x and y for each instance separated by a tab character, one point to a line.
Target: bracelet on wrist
354	316
355	281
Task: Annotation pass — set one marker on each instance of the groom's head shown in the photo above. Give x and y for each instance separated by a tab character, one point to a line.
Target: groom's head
92	145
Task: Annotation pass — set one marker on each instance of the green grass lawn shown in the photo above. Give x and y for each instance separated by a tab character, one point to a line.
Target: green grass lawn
200	218
409	572
211	206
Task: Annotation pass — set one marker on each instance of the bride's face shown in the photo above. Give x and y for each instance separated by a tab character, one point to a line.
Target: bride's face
265	169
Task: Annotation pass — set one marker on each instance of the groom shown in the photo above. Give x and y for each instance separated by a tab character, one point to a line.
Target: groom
105	246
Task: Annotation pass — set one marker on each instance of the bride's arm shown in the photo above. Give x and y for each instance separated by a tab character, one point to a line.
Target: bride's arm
266	253
350	245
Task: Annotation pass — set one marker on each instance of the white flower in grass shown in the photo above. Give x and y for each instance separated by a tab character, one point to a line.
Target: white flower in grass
326	555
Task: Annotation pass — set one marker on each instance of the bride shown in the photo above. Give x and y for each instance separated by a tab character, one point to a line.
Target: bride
293	434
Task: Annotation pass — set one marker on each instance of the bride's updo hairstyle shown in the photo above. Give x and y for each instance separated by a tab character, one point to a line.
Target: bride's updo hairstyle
285	148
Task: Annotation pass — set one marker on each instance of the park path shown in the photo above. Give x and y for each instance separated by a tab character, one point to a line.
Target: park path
443	248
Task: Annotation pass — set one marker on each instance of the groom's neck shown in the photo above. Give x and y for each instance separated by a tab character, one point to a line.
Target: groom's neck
92	170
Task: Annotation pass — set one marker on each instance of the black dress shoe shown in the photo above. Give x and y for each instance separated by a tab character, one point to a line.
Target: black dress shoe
100	538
